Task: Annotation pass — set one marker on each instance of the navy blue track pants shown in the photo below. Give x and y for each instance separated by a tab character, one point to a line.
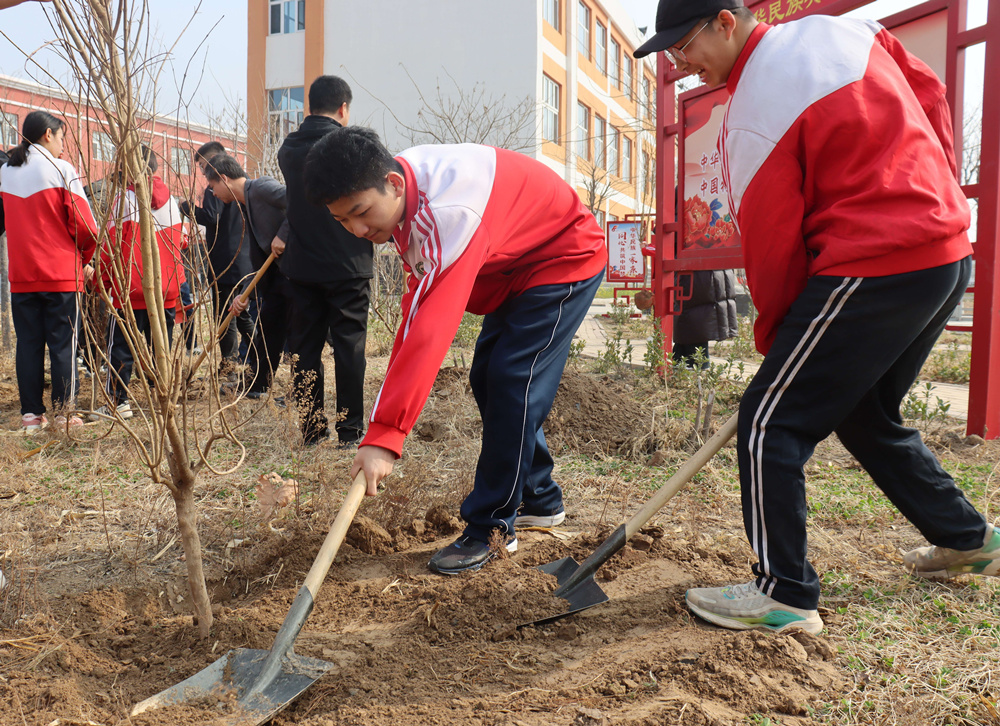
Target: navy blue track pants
45	319
842	361
518	363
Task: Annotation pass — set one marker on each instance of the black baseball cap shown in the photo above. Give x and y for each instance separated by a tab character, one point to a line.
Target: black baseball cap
674	18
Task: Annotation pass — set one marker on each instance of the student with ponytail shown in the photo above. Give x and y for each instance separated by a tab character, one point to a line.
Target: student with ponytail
51	236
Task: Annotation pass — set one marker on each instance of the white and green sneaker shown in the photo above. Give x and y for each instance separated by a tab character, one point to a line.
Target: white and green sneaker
941	563
743	607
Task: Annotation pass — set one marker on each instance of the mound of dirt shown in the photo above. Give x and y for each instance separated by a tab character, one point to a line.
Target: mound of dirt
490	606
369	536
592	416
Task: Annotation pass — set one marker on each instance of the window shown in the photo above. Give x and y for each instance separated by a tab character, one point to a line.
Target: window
583	31
613	151
286	109
650	97
583	131
180	161
614	52
550	102
599	215
600	128
9	130
626	158
104	150
601	48
627	76
550	8
288	16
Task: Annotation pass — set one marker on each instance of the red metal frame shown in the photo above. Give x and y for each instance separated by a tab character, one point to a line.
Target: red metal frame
984	386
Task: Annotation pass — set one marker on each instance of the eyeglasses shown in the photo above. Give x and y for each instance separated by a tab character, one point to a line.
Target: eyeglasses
676	55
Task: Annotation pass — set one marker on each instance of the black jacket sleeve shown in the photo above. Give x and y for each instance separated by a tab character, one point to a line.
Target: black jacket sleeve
208	213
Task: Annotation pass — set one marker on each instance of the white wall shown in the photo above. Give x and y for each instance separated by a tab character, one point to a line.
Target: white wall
284	65
375	44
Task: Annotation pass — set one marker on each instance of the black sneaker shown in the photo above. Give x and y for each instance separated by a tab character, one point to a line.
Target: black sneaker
348	445
465	554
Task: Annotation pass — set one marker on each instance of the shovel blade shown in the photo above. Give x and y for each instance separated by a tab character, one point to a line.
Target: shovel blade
584	595
224	686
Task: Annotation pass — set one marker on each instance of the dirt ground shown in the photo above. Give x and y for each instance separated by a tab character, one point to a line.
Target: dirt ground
95	618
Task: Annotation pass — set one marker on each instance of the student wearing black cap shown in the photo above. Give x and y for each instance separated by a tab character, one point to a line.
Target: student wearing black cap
838	159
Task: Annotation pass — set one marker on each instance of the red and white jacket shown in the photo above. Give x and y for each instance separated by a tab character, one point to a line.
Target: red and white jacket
51	232
169	227
481	225
838	158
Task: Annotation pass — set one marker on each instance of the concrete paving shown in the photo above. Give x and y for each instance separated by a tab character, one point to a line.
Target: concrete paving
593	332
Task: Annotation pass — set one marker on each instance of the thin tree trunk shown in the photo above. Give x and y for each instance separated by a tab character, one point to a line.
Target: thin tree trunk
184	482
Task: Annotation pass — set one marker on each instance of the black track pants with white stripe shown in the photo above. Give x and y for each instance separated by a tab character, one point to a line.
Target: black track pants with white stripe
842	361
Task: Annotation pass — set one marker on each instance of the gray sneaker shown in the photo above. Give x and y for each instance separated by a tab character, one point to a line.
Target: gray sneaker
743	607
941	563
124	410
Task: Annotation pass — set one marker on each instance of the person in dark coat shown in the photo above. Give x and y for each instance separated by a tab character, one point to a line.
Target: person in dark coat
709	313
263	201
330	273
229	259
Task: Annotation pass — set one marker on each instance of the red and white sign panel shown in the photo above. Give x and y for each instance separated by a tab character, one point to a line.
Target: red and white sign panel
625	260
706	220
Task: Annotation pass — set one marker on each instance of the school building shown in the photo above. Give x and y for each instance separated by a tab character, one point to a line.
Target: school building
88	146
554	79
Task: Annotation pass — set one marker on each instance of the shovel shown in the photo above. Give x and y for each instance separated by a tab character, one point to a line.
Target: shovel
259	683
576	582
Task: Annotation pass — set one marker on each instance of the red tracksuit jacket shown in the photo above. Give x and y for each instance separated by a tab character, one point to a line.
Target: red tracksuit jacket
481	225
169	227
838	158
51	232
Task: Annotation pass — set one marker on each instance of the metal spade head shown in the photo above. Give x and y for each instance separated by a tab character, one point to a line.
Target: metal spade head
580	595
231	685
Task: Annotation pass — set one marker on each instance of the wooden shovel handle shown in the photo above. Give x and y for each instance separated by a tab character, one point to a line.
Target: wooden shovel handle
682	476
229	315
321	565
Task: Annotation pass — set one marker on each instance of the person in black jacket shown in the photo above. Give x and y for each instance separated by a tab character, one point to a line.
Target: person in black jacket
263	201
330	272
707	313
229	259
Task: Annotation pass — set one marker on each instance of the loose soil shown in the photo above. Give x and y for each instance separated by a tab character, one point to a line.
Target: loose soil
96	614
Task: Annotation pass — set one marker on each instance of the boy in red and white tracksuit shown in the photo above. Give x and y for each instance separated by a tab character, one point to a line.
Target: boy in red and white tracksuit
120	272
838	158
494	233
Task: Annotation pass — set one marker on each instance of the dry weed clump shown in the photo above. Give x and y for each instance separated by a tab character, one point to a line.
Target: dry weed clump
20	597
416	498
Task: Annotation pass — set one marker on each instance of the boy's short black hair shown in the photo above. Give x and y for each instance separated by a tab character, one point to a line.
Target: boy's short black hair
328	93
222	165
346	161
208	150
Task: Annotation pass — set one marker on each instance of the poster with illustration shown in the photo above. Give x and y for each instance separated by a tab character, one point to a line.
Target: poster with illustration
625	260
706	221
